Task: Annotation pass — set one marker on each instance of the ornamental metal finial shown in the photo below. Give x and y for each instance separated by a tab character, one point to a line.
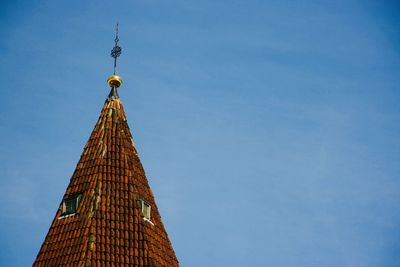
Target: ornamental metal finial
116	51
115	81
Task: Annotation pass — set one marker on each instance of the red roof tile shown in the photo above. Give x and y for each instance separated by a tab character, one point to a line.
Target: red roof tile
108	228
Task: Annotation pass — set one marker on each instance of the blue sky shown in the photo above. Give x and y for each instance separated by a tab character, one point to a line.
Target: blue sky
268	129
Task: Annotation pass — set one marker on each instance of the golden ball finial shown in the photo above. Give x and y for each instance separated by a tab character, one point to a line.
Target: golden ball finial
114	81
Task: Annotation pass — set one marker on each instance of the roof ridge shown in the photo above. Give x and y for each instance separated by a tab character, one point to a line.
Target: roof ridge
90	238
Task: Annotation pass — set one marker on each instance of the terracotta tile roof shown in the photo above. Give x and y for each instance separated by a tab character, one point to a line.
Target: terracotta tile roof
108	228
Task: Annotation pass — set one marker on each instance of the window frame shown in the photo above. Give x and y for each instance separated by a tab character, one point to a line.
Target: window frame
145	207
70	205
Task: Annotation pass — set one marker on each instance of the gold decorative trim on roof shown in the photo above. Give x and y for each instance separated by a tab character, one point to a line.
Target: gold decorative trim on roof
114	81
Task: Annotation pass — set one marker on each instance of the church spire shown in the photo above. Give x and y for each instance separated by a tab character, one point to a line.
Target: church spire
115	81
108	215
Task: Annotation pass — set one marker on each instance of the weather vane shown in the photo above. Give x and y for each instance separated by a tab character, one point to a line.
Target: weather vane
116	51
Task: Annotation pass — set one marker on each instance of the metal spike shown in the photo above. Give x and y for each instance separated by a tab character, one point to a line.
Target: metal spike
117	50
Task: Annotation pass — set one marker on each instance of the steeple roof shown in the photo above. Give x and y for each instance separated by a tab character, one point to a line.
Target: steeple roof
109	224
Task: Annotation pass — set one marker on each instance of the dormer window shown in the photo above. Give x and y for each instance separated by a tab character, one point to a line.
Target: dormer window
70	205
146	209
